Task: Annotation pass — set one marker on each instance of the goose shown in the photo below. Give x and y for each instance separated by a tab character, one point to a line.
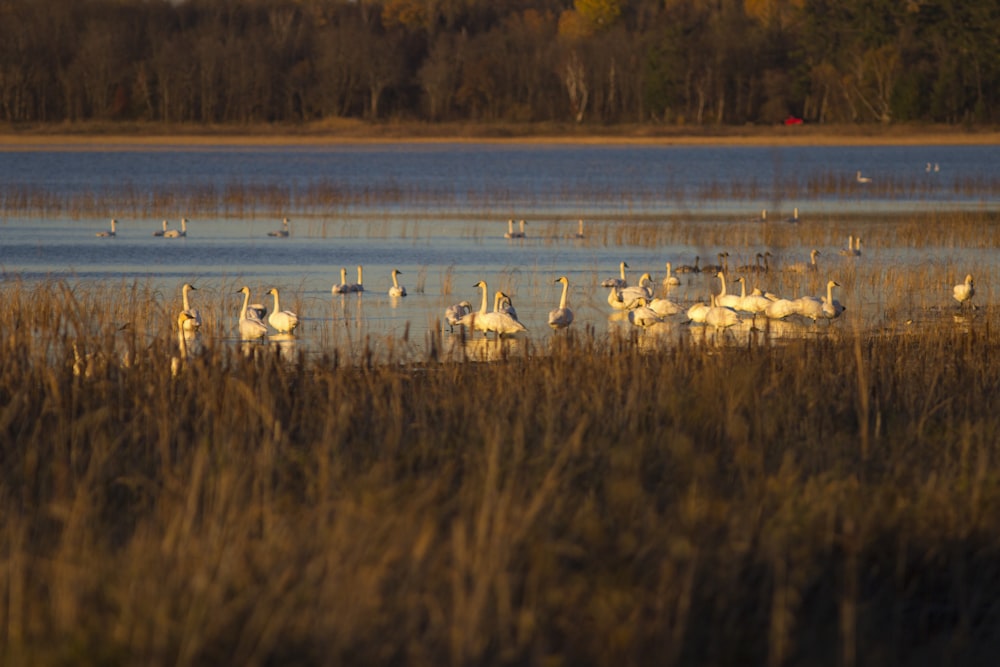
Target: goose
802	267
561	317
832	308
251	327
108	234
862	179
342	287
193	321
671	280
619	283
284	321
396	289
723	264
721	317
454	313
579	231
849	250
283	232
511	234
642	315
161	232
688	268
725	300
964	291
642	290
360	285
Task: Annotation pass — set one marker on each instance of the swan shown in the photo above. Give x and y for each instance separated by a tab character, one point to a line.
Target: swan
177	233
832	308
642	290
520	233
503	304
396	289
857	246
161	232
642	315
688	268
283	232
360	285
561	317
725	300
499	322
511	234
671	280
579	231
113	232
795	216
780	309
697	313
751	303
619	283
284	321
193	321
809	306
251	328
752	268
454	313
763	216
802	267
964	291
723	264
663	307
849	250
721	317
342	287
862	179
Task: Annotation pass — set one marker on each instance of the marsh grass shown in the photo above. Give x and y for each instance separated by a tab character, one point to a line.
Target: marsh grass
580	500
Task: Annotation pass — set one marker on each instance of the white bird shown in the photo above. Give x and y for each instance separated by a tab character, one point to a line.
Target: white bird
663	307
342	287
642	315
161	232
284	321
849	250
832	308
802	267
360	285
497	322
579	231
283	232
561	317
780	309
113	232
510	234
688	268
964	291
503	304
697	313
795	216
193	321
810	307
619	283
454	313
177	233
751	303
724	299
642	290
721	317
396	289
671	280
251	327
862	179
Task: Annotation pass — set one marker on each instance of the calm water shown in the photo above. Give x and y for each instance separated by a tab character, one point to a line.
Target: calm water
444	229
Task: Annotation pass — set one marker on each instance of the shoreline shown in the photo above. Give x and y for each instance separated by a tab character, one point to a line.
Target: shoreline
145	137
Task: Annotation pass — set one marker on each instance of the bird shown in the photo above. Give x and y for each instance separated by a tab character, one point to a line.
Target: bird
757	267
857	246
862	179
697	313
849	250
396	289
284	321
579	231
964	291
795	216
520	233
161	232
663	307
751	303
621	282
283	232
642	315
342	287
504	304
176	233
688	268
670	280
360	285
497	322
780	309
723	264
193	321
810	307
510	234
832	308
724	299
721	317
108	234
642	290
803	267
561	317
250	325
454	313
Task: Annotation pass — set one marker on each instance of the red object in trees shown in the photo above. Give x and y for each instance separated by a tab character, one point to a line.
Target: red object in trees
793	120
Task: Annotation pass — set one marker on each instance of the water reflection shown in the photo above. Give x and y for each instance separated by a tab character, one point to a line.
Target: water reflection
459	347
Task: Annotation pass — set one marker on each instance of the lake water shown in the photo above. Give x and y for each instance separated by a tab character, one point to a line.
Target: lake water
437	212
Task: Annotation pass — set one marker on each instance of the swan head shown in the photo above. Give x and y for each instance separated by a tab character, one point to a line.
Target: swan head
480	284
397	272
244	290
562	279
189	287
273	291
833	283
720	275
814	253
968	279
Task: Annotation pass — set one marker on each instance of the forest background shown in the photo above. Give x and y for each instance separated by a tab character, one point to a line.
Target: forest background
590	62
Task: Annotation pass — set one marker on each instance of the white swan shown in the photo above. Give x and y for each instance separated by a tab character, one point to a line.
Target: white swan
283	232
862	179
832	308
520	233
809	306
396	289
108	234
161	232
497	322
193	321
342	287
724	299
561	317
503	304
619	283
360	285
642	315
780	309
177	233
697	313
688	268
511	234
579	231
802	267
857	246
284	321
671	280
663	307
751	303
721	317
964	291
849	250
251	327
640	291
455	313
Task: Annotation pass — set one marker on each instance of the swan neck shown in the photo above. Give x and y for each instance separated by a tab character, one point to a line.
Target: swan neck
562	301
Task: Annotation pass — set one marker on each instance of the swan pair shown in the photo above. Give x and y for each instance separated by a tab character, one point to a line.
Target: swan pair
803	267
511	234
499	322
284	232
175	233
344	287
853	248
251	325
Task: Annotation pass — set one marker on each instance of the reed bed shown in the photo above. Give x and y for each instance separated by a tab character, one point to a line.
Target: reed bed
583	500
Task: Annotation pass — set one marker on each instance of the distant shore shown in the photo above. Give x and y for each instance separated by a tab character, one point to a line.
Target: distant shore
137	136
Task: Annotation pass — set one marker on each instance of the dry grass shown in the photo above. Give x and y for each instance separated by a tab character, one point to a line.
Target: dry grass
825	501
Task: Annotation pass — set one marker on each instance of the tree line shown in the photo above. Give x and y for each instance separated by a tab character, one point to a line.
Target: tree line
588	61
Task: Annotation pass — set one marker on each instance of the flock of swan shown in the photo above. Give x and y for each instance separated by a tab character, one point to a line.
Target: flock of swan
166	232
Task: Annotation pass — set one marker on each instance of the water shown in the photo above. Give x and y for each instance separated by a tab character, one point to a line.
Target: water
437	212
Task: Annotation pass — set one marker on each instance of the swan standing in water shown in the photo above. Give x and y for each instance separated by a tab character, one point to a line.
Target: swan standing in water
721	317
360	285
751	303
724	299
832	309
284	321
671	280
342	287
561	317
396	289
619	283
177	233
510	234
964	291
579	231
803	267
500	323
193	317
250	325
455	313
849	250
108	234
161	232
642	315
283	232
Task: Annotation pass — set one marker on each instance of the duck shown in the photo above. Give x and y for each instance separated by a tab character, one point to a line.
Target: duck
285	321
396	289
964	291
250	325
283	232
107	234
342	287
561	317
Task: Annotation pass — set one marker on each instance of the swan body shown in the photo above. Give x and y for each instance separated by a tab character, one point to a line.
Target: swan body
721	317
342	287
161	232
283	232
192	321
802	267
809	306
964	291
671	280
250	325
176	233
561	317
689	268
780	309
663	307
498	322
360	285
454	313
724	299
619	283
862	179
751	303
284	321
642	315
617	300
108	234
640	291
697	313
396	289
